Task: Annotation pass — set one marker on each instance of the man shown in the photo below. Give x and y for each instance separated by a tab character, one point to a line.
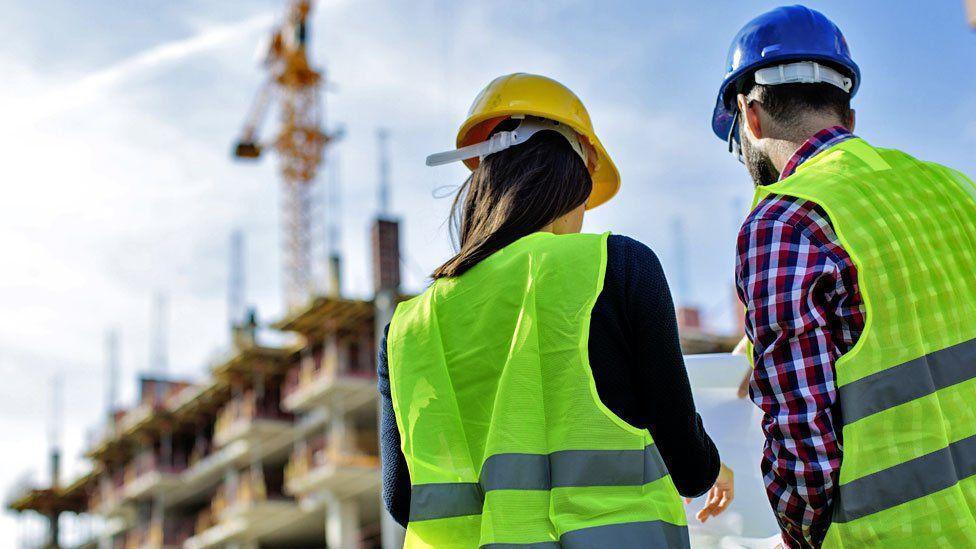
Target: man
856	267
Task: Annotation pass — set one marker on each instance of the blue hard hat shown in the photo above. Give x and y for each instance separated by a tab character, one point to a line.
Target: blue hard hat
789	33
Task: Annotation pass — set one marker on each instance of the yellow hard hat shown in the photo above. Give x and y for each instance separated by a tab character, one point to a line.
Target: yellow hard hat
534	95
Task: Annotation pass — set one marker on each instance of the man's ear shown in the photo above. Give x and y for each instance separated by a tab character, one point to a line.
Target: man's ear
749	114
850	121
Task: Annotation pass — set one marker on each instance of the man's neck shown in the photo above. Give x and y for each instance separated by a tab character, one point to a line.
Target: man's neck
782	150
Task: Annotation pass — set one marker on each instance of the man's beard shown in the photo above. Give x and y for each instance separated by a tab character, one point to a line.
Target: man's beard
760	167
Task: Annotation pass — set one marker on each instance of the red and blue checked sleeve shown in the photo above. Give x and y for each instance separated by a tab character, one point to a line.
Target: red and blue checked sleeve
803	312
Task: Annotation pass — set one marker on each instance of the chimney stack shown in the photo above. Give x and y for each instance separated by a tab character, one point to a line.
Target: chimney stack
245	333
386	255
57	396
335	275
158	344
333	225
689	319
111	372
235	279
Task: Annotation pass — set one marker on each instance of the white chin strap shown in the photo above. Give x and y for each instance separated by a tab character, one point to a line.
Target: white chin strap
528	127
803	72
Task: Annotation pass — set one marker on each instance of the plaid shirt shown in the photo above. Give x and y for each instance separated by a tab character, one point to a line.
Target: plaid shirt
804	311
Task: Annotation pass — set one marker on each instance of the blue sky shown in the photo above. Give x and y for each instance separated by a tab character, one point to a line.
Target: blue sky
118	119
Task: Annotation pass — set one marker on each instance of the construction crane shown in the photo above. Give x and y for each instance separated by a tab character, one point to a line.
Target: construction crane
295	87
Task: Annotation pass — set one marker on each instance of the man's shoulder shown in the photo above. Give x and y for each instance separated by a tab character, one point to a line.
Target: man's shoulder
787	219
789	210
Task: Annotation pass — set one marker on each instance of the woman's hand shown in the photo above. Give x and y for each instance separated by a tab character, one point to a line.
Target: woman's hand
720	495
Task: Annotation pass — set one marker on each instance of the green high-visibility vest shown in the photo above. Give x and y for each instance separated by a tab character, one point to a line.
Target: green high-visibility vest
907	389
506	440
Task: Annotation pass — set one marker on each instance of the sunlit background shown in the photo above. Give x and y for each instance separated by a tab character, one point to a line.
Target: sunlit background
118	184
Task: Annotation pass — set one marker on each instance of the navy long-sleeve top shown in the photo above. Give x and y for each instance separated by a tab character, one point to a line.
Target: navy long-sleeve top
637	366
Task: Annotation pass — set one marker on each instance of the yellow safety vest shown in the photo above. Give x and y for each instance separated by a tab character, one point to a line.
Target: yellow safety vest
506	440
907	389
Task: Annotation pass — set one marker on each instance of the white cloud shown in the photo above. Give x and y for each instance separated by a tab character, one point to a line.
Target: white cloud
106	80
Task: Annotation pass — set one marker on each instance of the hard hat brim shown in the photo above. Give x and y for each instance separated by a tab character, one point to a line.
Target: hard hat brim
605	177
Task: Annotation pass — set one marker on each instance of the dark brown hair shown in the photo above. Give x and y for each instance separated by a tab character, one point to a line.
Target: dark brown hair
787	103
514	193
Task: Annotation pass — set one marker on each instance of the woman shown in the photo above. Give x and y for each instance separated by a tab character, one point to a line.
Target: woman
535	394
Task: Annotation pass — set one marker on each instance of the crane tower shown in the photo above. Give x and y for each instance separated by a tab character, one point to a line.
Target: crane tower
295	89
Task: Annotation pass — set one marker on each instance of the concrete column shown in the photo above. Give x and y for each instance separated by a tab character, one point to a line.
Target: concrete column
338	437
105	540
53	531
331	358
166	449
341	522
158	516
391	533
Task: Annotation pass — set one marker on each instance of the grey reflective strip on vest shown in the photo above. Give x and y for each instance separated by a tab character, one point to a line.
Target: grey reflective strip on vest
537	545
453	499
920	477
563	469
908	381
651	534
515	472
570	468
